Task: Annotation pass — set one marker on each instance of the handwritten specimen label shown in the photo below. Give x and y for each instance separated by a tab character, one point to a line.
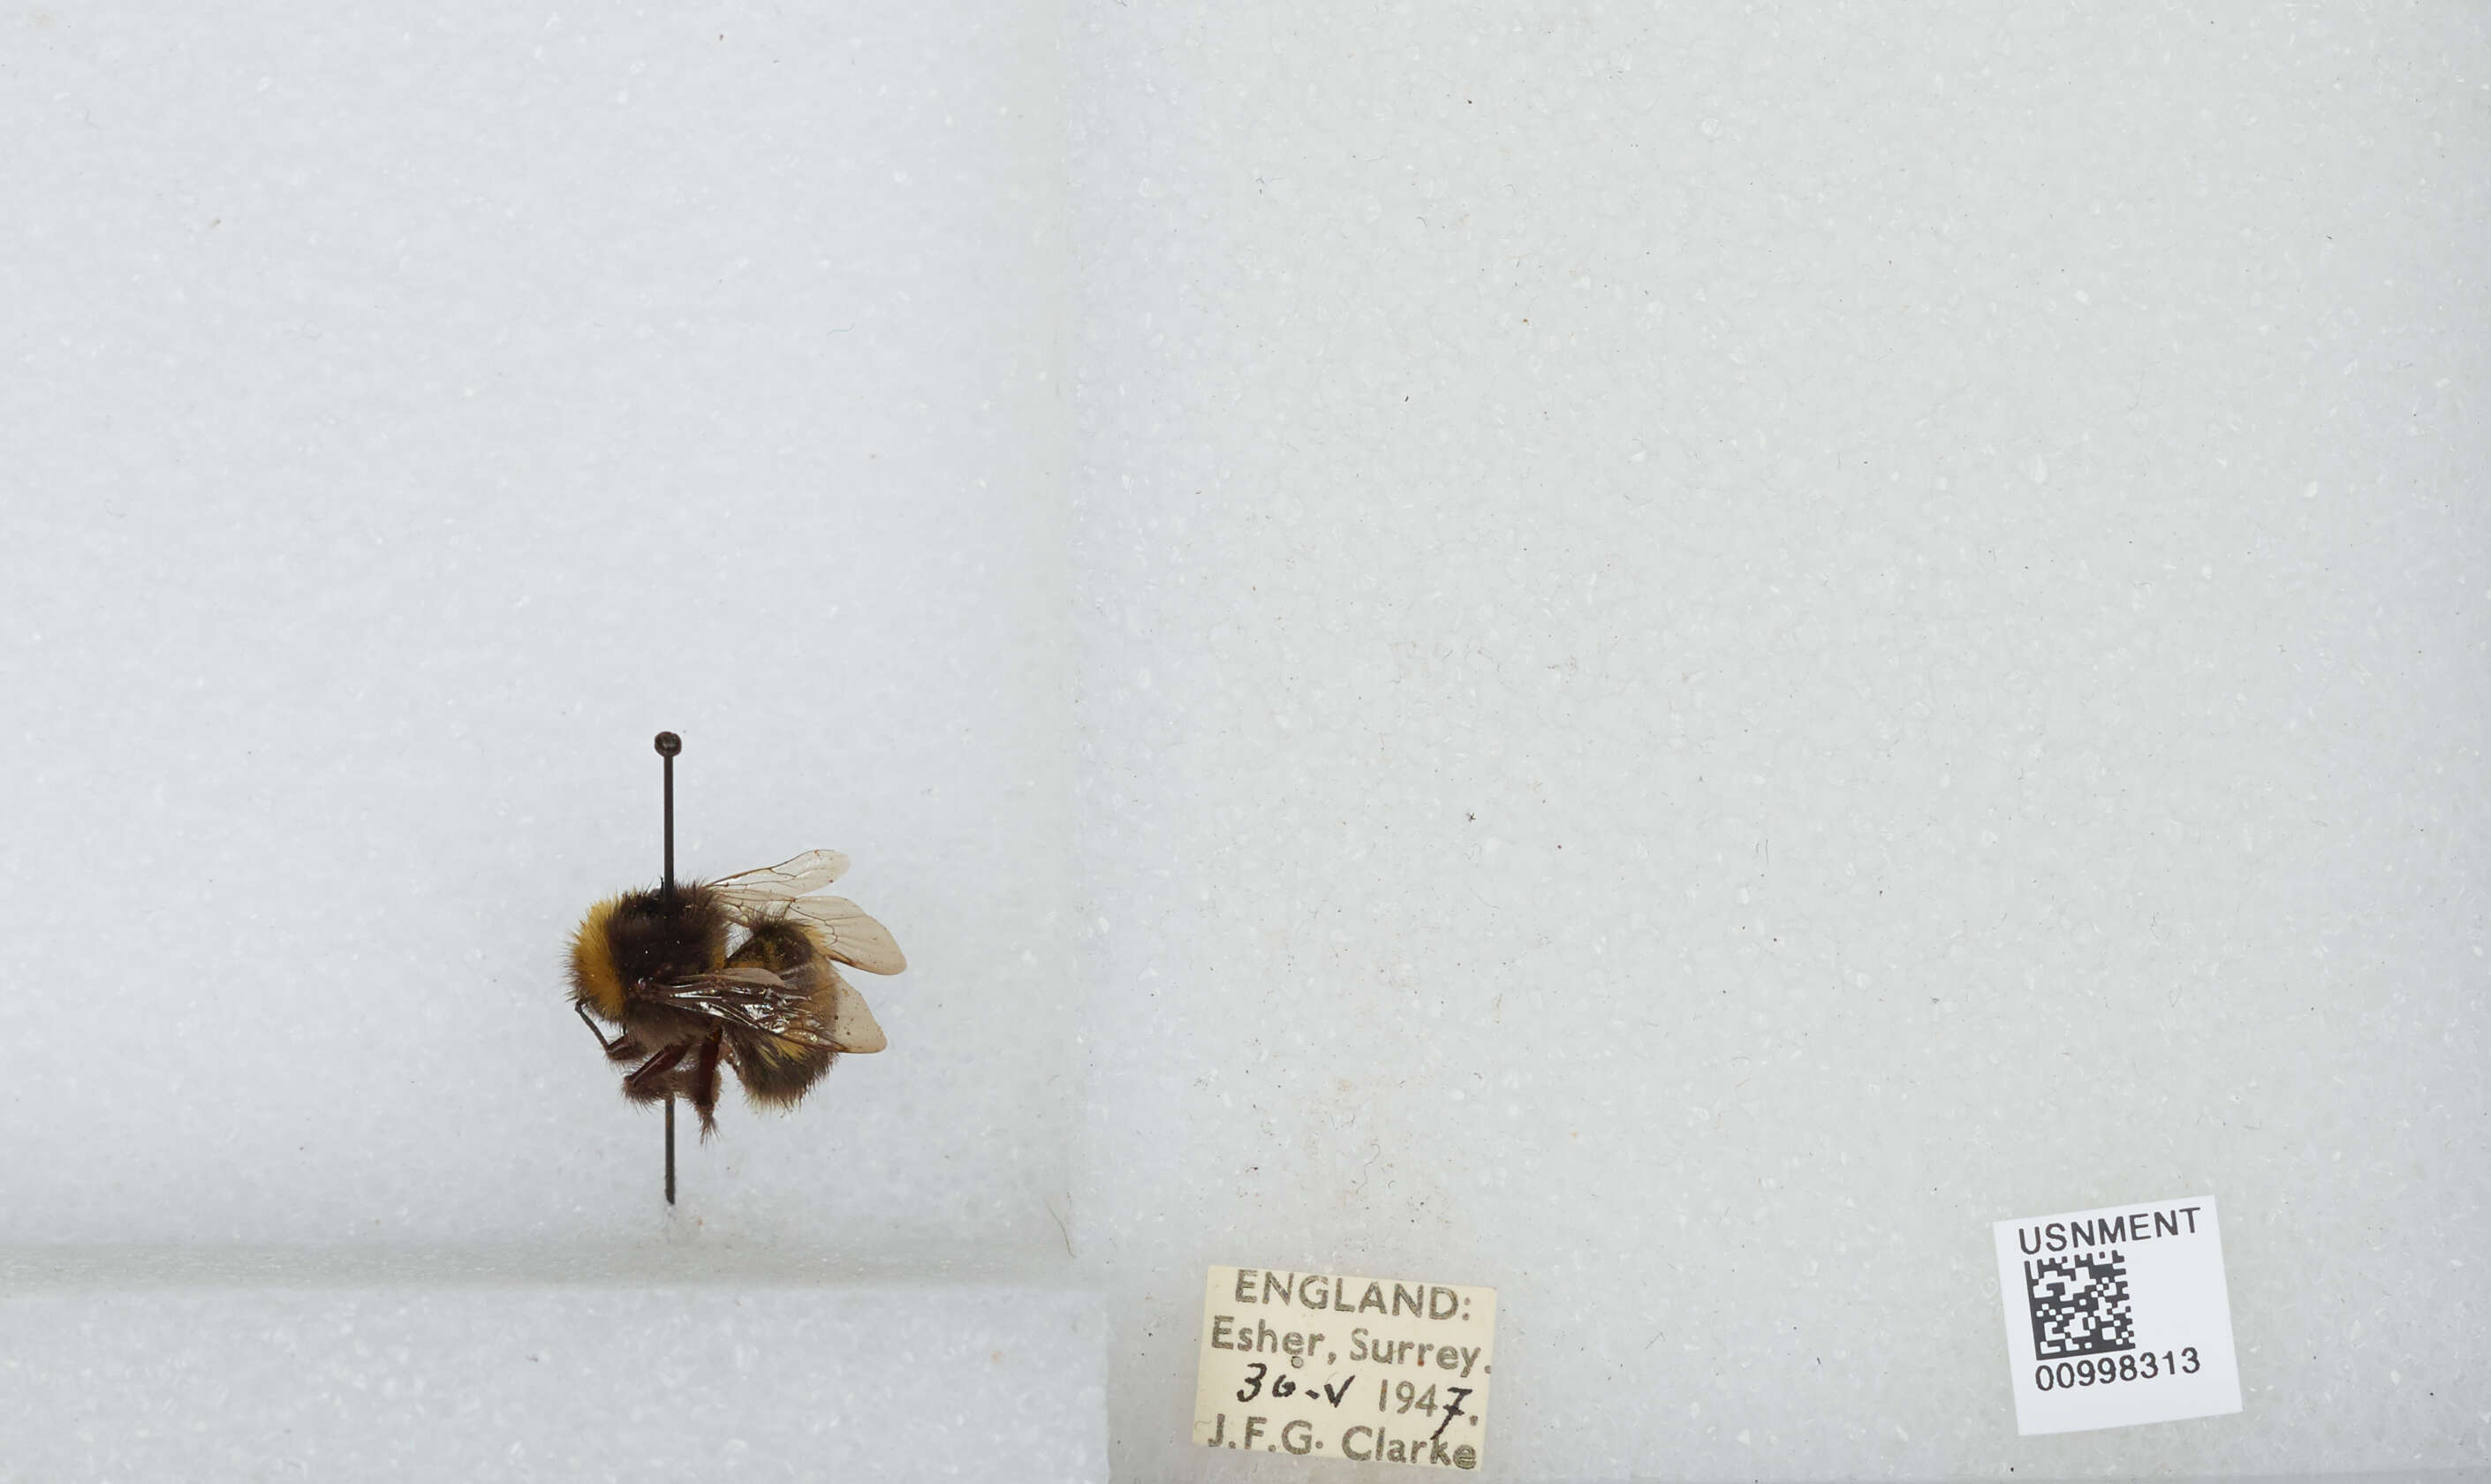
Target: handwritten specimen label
1327	1366
2117	1315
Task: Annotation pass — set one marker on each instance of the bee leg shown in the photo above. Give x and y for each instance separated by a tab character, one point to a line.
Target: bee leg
704	1084
613	1048
650	1081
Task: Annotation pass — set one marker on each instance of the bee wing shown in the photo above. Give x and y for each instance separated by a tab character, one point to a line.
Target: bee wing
852	1025
810	871
752	998
849	935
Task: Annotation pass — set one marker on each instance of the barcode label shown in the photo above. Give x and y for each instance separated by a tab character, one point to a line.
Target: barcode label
2080	1305
2117	1315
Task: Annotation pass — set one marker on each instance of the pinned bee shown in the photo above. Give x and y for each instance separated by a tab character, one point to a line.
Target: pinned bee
742	973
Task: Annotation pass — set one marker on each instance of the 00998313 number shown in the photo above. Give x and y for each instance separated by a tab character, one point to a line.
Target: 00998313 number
2104	1370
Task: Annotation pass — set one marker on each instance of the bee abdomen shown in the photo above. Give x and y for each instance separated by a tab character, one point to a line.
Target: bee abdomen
772	1068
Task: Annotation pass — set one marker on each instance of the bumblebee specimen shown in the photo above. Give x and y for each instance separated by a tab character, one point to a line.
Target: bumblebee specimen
742	972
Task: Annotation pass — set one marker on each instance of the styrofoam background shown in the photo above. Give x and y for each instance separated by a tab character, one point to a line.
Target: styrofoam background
1721	643
409	416
548	1382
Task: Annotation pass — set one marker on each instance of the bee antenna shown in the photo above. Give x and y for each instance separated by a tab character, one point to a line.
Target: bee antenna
668	745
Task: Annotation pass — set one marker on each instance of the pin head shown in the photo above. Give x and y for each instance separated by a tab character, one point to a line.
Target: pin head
669	744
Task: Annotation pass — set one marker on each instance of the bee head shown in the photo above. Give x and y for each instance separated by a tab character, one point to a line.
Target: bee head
644	937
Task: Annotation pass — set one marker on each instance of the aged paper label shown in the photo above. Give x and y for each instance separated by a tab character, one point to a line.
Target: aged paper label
1324	1365
2117	1315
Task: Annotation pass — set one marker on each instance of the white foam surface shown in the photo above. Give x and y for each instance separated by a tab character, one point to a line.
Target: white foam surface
276	1366
413	413
1721	644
